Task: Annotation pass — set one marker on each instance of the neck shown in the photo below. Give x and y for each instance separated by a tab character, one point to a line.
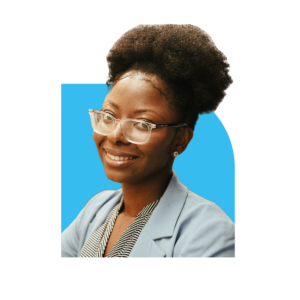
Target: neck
138	195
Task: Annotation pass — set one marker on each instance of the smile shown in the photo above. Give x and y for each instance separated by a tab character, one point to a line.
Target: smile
120	158
118	161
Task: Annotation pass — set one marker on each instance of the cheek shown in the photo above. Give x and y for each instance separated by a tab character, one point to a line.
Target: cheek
98	139
158	147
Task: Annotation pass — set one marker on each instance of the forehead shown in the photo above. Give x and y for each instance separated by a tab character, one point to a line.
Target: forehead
137	90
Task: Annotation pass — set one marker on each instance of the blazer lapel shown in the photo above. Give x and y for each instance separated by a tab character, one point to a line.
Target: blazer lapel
162	221
146	247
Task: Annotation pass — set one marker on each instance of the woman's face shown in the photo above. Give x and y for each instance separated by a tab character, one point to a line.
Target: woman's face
136	98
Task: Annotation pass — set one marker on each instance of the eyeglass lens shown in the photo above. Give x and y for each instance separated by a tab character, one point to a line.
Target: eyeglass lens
134	131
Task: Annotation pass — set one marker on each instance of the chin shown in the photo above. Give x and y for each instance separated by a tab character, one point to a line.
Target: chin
116	176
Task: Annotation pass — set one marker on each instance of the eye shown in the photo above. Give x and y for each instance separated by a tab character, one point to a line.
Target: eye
141	126
108	117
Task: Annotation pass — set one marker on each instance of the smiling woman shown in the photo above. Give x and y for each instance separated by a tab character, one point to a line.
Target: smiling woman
162	77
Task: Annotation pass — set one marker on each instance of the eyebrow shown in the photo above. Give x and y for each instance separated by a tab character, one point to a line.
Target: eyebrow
138	111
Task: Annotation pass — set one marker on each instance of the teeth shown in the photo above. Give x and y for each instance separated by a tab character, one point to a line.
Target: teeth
117	158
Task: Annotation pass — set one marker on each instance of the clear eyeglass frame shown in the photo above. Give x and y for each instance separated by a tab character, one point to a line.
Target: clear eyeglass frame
146	136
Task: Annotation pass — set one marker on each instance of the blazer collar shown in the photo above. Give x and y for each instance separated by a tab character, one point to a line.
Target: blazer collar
162	221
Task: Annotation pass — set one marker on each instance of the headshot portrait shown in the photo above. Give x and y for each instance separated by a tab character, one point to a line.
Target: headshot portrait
157	163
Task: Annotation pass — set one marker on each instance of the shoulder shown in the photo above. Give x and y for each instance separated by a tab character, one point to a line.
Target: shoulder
89	219
204	229
200	208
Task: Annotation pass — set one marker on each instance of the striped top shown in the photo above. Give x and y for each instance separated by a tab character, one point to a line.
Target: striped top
95	246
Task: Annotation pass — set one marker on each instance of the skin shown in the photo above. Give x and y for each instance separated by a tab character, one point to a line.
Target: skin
146	178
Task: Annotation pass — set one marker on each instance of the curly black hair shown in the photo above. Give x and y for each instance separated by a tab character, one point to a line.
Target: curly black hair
183	56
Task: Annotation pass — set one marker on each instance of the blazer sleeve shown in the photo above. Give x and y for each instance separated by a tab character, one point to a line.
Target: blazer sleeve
70	237
214	238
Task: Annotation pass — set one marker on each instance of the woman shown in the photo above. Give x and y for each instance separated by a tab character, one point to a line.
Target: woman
162	78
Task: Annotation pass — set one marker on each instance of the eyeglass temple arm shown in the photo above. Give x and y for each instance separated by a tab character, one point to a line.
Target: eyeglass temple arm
170	125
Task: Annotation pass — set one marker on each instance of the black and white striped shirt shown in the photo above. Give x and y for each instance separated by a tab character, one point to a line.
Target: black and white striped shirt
95	246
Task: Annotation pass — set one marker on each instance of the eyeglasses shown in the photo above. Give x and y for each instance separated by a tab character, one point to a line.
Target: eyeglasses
135	131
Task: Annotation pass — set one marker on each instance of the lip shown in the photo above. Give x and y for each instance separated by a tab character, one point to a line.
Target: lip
118	153
118	163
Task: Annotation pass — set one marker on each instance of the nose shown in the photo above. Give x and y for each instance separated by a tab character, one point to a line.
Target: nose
116	135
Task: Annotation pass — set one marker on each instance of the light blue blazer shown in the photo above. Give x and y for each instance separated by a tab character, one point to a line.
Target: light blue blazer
182	225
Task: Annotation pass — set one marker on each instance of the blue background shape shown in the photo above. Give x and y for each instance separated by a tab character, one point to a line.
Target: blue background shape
206	167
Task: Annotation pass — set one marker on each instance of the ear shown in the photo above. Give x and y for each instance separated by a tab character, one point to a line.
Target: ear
182	139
